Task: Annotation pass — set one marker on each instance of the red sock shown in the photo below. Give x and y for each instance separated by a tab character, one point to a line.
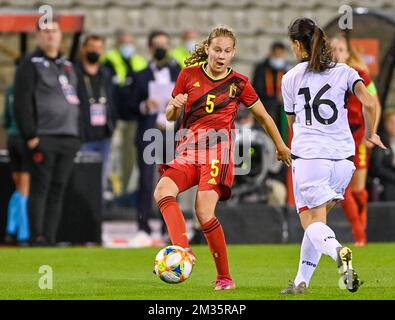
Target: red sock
361	198
215	237
175	221
350	208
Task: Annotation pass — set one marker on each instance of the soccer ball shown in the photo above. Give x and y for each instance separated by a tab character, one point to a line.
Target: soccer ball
173	264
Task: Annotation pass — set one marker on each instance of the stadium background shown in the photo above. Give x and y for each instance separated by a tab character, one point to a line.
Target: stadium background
260	270
257	24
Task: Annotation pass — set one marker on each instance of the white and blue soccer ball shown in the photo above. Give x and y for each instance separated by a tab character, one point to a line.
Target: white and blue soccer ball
173	264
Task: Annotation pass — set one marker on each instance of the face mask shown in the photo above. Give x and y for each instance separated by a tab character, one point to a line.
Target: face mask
160	53
277	63
92	57
127	50
190	45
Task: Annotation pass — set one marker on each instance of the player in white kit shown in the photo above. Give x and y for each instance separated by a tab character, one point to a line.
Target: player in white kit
314	94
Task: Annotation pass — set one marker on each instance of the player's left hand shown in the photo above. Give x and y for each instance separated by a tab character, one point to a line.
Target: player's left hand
375	139
284	155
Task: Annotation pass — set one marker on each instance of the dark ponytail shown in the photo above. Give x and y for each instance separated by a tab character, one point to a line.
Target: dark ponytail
314	41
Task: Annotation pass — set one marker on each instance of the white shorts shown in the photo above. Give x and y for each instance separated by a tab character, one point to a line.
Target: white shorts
318	181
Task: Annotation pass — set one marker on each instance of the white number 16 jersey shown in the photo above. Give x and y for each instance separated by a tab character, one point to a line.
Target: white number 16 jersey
318	101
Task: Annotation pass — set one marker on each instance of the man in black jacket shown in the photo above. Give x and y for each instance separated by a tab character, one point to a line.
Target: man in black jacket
47	114
95	92
161	69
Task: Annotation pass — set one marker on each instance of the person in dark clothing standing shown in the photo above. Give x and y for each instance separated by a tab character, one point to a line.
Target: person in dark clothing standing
47	114
267	81
123	62
17	218
162	70
267	84
95	93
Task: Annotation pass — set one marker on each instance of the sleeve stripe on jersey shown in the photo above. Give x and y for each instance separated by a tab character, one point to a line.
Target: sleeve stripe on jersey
290	113
355	82
253	104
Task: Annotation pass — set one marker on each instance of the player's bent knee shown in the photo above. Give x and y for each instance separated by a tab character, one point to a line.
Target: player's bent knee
163	189
203	216
160	192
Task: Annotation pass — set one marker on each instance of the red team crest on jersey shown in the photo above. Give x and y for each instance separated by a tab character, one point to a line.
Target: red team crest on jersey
232	90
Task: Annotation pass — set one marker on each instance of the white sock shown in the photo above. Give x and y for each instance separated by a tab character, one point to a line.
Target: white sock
309	258
323	239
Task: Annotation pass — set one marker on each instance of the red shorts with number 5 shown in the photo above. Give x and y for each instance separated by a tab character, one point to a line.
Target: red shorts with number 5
215	176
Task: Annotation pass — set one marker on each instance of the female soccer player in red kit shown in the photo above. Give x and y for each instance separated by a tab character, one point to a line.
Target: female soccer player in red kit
356	195
207	95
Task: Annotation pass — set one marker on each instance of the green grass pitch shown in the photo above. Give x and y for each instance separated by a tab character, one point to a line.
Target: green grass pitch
260	272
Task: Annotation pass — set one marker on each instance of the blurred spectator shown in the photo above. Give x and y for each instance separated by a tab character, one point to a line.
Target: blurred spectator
267	83
96	101
162	72
17	220
272	191
47	114
124	63
182	52
383	161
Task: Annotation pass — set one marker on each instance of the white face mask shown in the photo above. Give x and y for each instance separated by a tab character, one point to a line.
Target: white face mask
277	63
190	45
127	50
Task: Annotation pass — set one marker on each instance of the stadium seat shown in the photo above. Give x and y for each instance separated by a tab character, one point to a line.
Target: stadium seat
303	3
164	3
322	16
157	18
263	43
257	18
20	3
277	22
117	18
91	3
270	3
336	3
201	20
372	3
199	4
233	3
247	48
128	3
95	21
135	21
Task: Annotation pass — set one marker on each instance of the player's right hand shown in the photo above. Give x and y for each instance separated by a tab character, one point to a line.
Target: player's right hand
180	100
33	143
284	155
375	139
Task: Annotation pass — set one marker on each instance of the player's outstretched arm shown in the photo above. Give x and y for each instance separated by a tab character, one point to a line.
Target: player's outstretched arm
369	113
175	105
266	121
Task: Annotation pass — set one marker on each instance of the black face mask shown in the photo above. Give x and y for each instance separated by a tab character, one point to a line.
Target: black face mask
160	54
92	57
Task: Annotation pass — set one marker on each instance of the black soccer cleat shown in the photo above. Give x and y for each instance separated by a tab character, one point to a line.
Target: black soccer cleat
344	262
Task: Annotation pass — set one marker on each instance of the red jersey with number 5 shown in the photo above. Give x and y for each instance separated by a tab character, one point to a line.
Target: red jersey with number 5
207	120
